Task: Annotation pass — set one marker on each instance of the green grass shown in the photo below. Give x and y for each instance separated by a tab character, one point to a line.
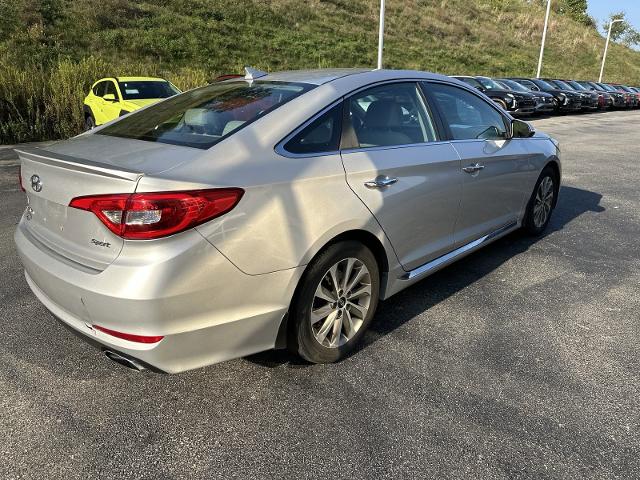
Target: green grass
52	50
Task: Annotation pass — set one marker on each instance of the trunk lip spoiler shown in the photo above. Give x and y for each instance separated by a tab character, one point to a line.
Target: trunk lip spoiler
47	157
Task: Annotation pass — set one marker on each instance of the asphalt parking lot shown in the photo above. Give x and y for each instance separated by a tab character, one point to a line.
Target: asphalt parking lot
520	361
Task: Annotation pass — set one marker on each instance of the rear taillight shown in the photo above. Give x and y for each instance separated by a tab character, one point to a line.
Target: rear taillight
144	216
20	178
132	337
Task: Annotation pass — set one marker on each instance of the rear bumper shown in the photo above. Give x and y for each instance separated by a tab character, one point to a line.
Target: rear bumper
207	310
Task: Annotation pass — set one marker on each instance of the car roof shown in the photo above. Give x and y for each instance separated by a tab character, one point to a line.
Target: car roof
314	77
134	79
323	76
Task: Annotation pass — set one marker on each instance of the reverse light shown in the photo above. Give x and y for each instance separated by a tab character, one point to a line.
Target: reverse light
129	336
145	216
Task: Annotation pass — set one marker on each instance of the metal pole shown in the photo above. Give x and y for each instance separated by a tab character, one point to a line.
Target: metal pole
606	47
381	35
544	37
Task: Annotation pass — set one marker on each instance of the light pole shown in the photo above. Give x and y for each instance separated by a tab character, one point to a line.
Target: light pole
544	37
606	47
381	35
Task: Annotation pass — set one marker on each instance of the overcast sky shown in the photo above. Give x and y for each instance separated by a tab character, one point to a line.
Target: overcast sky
600	9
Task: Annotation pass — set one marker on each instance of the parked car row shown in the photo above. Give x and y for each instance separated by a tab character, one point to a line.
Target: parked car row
522	96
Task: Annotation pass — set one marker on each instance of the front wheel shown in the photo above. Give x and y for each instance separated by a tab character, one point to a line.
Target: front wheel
542	202
335	302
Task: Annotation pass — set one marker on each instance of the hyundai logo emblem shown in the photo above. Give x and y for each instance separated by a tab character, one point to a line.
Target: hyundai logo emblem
36	183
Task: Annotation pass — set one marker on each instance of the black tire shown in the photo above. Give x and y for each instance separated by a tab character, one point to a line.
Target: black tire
302	339
532	225
89	122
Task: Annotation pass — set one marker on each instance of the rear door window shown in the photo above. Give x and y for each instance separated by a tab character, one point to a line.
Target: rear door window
202	117
467	115
391	114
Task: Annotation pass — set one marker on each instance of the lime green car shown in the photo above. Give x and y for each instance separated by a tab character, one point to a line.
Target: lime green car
111	98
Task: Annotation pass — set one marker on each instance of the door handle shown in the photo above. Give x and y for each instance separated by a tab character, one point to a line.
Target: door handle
380	182
473	168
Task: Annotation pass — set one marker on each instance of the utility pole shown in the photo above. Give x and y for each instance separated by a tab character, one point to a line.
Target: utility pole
381	35
606	47
544	38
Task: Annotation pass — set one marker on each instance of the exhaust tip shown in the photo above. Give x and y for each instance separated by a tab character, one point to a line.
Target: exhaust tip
122	360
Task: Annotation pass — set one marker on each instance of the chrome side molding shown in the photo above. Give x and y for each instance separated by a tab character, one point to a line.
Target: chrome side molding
458	252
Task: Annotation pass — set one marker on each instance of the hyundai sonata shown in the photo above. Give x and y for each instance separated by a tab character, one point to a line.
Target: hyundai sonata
272	211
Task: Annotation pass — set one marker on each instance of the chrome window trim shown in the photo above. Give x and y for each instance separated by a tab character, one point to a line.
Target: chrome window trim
392	147
280	150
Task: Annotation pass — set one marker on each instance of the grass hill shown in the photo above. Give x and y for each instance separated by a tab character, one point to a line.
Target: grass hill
52	50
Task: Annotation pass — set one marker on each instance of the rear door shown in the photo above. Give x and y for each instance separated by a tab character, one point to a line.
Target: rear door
398	166
495	169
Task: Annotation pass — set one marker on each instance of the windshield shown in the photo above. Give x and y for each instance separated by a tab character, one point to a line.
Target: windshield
562	85
545	85
609	88
147	89
576	85
590	86
202	117
515	86
470	81
489	84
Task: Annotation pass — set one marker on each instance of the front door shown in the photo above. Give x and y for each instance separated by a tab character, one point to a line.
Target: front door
495	168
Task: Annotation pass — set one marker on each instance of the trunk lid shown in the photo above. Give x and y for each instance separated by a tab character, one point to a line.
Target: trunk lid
87	165
51	181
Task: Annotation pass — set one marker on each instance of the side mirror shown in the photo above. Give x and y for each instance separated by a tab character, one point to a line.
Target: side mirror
520	129
480	88
109	97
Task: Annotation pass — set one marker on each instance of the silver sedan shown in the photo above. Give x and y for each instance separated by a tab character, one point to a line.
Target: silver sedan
272	211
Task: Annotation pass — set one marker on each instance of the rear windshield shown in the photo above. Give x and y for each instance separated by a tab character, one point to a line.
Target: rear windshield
202	117
563	85
147	89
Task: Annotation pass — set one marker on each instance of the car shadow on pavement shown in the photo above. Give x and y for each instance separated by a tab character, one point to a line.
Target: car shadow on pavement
422	296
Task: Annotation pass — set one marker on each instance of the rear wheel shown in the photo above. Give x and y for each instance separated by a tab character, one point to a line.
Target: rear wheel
542	202
335	302
89	122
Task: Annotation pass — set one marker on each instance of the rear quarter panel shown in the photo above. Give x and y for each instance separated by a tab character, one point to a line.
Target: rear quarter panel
291	207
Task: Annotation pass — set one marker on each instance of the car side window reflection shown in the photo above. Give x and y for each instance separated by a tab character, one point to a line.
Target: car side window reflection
391	114
467	115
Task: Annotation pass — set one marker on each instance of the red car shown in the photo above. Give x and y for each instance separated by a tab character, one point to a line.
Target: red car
632	98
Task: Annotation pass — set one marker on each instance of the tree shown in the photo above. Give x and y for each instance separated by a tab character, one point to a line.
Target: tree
623	31
577	9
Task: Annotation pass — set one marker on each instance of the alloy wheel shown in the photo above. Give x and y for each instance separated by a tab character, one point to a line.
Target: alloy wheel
543	202
341	303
